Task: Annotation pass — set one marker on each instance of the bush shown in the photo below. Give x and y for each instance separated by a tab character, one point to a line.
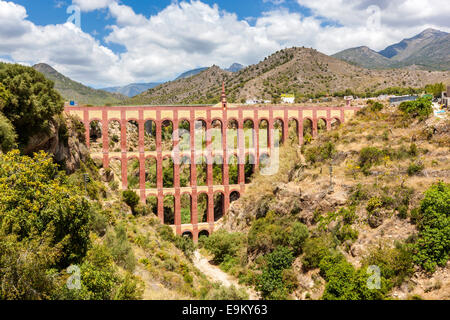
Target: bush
421	108
433	246
32	102
35	197
315	249
271	283
131	198
415	168
396	264
8	135
223	244
320	153
219	292
368	157
121	250
298	236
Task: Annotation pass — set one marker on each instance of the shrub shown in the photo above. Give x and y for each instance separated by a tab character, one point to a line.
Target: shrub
320	153
32	103
271	284
415	168
396	264
131	198
121	249
421	108
223	244
298	236
368	157
219	292
8	135
35	197
433	246
315	249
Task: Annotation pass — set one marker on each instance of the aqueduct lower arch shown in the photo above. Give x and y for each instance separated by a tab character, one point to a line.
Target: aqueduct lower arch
160	116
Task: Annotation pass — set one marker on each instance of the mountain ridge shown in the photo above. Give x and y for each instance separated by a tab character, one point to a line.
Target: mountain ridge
304	72
429	49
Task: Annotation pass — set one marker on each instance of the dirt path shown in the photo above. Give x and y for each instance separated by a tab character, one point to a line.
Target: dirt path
216	275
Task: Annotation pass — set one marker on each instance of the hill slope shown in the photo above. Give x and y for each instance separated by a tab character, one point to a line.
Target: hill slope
364	57
72	90
371	218
305	72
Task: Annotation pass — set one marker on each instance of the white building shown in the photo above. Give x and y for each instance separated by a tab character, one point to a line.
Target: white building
287	98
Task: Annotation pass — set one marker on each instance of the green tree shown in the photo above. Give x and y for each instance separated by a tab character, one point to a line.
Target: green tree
32	101
433	246
8	135
35	198
421	108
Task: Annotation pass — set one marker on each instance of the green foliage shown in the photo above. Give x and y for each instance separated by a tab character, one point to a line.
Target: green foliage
368	157
8	135
297	237
315	249
120	247
223	244
219	292
25	266
415	168
35	197
320	153
421	108
435	89
131	198
433	246
186	245
271	282
32	101
100	280
271	231
396	264
4	96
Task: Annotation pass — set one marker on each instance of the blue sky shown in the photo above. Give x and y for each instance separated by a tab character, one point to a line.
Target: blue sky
43	12
125	41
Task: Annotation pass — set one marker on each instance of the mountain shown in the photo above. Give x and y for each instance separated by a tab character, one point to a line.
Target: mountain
305	72
72	90
364	57
190	73
430	50
235	67
133	89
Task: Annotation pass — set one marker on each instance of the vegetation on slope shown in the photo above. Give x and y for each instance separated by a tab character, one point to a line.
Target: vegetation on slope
387	212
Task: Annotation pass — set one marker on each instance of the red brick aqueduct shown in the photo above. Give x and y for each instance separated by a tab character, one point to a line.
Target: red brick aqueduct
222	113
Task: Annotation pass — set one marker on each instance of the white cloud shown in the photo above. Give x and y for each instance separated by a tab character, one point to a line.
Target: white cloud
192	34
90	5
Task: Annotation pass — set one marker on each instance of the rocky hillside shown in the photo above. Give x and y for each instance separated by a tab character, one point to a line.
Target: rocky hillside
383	164
365	57
305	72
429	50
72	90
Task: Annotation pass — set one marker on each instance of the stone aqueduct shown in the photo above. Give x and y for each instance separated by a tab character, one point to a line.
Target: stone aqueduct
223	112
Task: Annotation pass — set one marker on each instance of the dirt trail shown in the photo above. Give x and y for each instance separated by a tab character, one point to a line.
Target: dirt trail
216	275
